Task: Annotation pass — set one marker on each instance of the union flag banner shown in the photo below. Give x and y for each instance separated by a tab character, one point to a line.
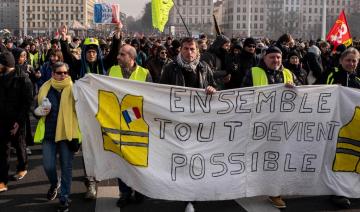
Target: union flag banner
340	32
160	13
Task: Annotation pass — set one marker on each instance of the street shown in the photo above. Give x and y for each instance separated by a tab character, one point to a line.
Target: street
29	195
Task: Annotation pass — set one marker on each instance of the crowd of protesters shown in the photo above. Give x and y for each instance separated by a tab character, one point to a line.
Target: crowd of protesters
34	68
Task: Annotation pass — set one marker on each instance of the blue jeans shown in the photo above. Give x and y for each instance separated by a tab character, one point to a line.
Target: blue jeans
49	150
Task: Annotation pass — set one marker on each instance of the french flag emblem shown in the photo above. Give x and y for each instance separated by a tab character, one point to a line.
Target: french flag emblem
131	114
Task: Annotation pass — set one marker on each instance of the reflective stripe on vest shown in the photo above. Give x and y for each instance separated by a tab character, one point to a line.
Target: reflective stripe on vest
330	79
139	74
260	79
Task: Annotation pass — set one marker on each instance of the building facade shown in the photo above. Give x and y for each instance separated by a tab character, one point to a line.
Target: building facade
271	18
196	14
9	15
44	17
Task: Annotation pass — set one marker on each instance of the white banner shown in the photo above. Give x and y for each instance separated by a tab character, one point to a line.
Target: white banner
178	143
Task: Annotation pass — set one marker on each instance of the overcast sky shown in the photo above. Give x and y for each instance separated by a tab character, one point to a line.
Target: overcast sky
132	7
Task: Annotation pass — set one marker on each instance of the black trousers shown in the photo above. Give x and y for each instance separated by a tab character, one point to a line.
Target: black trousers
18	142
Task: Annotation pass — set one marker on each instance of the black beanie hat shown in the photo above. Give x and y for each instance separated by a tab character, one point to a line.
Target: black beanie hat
7	59
273	49
249	41
294	53
17	52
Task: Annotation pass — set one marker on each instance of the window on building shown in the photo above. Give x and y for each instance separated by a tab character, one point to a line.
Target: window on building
255	17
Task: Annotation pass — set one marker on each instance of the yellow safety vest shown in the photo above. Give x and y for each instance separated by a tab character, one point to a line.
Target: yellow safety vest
260	79
36	60
139	74
330	79
40	132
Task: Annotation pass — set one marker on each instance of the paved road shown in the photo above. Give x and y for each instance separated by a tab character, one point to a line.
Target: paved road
29	195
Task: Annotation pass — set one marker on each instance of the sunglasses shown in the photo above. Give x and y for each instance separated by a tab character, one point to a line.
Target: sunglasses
251	46
163	52
61	72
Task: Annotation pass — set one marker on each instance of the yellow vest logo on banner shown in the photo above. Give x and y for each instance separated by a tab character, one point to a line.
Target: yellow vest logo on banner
123	127
347	158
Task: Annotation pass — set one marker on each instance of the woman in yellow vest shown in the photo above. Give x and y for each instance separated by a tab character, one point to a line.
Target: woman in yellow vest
58	131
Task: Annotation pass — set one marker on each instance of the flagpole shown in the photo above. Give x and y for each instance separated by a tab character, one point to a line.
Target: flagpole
177	9
248	18
323	32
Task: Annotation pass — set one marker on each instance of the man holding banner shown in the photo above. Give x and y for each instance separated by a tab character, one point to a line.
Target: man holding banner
271	71
128	69
187	70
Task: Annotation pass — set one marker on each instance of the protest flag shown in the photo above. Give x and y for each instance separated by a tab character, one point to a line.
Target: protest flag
160	13
340	32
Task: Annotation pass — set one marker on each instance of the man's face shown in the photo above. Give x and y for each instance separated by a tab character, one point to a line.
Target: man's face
324	49
226	46
273	60
60	73
163	54
124	59
349	62
91	55
251	48
9	45
189	51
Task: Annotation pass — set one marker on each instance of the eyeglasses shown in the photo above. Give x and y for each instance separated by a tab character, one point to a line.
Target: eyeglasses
251	46
61	72
163	52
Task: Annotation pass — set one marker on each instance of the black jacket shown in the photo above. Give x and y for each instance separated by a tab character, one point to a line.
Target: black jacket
15	97
172	74
342	77
75	64
238	66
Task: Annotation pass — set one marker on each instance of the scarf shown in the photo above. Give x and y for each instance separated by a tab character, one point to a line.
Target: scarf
190	67
67	127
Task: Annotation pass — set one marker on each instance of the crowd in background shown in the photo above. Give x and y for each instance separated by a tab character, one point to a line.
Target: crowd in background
231	63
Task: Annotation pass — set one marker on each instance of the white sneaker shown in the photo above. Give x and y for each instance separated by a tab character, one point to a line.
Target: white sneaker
189	207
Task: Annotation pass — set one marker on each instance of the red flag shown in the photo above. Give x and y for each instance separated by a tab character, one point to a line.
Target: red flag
340	32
